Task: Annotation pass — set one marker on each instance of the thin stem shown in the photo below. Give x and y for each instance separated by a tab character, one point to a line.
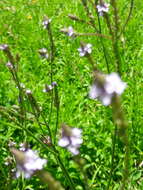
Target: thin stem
80	163
102	43
73	17
122	125
65	172
57	103
92	19
16	80
113	156
31	99
128	17
52	57
115	36
114	44
93	34
31	134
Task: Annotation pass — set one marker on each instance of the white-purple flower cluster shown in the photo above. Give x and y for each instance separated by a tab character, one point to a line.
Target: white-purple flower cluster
71	139
29	163
3	47
44	53
9	65
50	87
69	31
46	22
112	85
84	50
102	8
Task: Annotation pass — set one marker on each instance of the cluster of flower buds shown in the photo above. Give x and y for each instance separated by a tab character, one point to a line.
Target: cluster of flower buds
69	31
46	22
50	87
71	139
106	86
43	53
102	8
85	50
3	47
11	144
28	162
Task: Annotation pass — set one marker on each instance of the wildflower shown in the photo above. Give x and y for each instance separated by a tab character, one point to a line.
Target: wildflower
28	162
69	31
28	91
84	50
71	139
23	146
3	47
9	65
11	143
22	85
49	87
102	8
46	23
112	85
43	52
8	161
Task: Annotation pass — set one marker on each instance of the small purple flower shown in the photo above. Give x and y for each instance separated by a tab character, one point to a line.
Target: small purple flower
23	147
44	53
9	65
102	8
3	47
112	85
50	87
84	50
27	162
71	139
70	31
46	22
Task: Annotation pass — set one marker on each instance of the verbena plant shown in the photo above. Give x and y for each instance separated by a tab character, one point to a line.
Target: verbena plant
107	87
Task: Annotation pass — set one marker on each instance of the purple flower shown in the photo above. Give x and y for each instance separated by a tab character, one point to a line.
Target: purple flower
70	31
84	50
9	65
3	47
46	22
27	162
102	8
71	139
112	85
43	53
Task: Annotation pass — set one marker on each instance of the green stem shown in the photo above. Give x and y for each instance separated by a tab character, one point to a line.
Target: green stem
113	156
65	172
102	43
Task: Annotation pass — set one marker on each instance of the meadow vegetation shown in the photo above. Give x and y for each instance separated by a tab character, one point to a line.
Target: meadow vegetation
48	97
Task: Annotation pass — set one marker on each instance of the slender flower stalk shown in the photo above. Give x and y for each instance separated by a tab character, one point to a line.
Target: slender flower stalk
128	17
37	112
48	179
52	58
12	68
122	128
57	105
88	12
